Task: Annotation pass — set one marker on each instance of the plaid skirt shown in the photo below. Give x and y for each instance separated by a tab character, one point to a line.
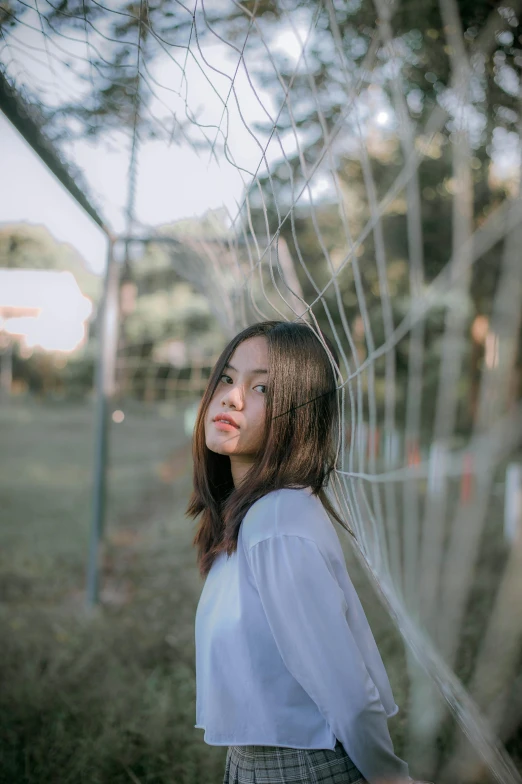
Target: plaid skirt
282	765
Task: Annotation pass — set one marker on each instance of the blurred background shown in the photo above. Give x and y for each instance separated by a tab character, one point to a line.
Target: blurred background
170	173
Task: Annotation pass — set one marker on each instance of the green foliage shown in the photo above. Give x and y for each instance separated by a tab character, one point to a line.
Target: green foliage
171	312
25	246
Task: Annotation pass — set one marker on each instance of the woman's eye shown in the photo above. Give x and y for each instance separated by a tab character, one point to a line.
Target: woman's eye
227	379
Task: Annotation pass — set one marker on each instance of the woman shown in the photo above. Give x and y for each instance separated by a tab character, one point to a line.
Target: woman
288	674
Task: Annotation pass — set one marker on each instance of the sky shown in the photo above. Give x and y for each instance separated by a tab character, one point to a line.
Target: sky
30	193
173	181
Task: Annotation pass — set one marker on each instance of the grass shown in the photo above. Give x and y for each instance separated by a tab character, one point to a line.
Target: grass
108	696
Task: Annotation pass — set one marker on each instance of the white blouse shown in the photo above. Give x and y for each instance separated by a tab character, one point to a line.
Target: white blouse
284	653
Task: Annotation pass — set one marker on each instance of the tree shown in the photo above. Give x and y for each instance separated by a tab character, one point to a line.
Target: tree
25	246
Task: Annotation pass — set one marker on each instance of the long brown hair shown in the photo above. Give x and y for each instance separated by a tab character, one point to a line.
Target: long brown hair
297	448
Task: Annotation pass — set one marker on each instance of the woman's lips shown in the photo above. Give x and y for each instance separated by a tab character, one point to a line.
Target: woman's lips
225	426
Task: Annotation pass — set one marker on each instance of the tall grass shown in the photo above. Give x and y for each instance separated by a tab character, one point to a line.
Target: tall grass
103	696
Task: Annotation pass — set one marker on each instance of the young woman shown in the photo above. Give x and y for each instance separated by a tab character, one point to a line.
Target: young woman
288	673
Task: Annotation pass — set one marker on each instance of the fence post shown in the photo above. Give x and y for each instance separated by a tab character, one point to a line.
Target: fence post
438	468
6	365
392	448
105	368
513	503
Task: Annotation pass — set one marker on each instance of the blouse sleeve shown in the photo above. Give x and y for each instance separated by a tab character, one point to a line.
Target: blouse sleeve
305	609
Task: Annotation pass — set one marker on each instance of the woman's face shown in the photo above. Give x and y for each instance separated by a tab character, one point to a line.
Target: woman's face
240	393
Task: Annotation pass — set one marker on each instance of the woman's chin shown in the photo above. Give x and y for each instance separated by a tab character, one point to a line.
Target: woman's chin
223	448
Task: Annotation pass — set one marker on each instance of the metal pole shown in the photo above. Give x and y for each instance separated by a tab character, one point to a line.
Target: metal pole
105	369
28	121
6	366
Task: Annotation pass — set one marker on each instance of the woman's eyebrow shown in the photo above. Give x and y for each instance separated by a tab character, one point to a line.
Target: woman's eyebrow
252	372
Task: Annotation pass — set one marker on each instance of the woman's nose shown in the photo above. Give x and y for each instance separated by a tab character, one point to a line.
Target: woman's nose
234	396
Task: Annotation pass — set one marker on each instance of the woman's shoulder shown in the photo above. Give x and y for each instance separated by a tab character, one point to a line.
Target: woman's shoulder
288	510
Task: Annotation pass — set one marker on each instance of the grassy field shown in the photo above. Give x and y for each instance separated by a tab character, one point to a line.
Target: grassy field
104	696
108	696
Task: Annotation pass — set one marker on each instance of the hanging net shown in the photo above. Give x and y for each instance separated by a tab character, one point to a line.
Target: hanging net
361	168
